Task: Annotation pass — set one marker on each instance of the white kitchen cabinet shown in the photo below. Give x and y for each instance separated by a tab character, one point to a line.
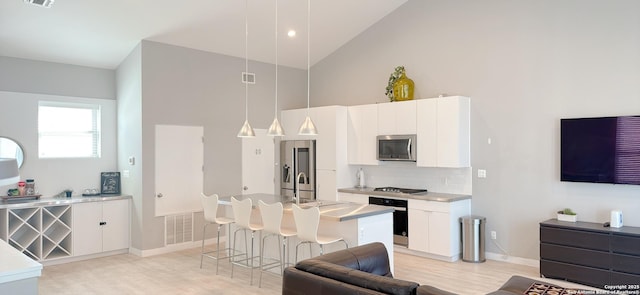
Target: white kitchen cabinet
443	130
326	185
434	227
100	226
353	198
396	118
362	130
291	121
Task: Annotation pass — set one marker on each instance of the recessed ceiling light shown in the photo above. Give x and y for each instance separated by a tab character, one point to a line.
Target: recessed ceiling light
291	33
41	3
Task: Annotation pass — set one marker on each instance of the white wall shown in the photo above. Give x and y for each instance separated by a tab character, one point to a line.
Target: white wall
525	65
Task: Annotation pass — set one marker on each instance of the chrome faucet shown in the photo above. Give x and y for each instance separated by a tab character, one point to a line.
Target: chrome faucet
296	196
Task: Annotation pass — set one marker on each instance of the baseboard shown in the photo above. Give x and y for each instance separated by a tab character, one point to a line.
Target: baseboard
512	259
83	257
173	248
405	250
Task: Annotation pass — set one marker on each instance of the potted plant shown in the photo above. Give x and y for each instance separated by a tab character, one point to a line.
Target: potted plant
567	215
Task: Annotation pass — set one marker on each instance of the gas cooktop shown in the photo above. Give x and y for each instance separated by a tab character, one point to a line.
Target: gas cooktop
391	189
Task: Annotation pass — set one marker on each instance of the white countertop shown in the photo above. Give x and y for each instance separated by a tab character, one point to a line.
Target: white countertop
15	265
329	210
428	196
59	201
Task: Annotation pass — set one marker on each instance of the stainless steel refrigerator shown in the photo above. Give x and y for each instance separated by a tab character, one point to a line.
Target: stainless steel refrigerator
298	169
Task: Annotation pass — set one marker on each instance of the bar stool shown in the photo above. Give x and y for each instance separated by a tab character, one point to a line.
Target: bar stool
210	209
242	214
272	221
307	222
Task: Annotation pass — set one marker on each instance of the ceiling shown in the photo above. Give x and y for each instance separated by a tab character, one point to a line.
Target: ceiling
102	33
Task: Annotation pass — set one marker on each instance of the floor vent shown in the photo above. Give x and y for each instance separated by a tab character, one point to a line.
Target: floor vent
178	229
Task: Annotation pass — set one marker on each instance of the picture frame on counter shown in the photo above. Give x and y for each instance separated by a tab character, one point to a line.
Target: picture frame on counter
110	183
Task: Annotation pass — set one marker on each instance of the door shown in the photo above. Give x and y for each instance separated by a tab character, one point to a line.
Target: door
87	232
178	174
258	161
115	231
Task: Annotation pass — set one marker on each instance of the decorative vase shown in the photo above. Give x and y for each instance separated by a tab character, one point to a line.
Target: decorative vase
403	88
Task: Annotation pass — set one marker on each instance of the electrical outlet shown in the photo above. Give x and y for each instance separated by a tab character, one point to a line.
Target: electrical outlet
482	173
494	235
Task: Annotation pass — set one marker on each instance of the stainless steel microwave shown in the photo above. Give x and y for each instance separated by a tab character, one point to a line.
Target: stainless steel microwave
396	147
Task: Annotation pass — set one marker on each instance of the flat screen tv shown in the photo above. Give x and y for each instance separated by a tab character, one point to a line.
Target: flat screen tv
600	150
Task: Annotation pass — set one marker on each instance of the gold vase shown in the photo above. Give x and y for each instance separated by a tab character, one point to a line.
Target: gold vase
403	88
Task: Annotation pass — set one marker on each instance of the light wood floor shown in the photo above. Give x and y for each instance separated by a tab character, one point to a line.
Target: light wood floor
179	273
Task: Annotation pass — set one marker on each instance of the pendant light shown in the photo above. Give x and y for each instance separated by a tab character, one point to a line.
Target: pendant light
246	130
308	128
276	129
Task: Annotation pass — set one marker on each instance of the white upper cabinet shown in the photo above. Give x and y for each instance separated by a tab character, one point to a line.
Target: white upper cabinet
395	118
444	132
362	130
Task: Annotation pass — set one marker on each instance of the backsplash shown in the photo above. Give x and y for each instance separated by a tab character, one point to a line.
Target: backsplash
442	180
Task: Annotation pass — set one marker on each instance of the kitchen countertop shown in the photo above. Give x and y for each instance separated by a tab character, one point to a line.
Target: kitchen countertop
59	201
329	210
428	196
16	266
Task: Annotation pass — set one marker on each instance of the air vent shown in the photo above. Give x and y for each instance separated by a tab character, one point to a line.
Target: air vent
178	229
41	3
248	78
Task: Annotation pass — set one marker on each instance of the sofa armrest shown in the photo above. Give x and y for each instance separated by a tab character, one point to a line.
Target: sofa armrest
358	278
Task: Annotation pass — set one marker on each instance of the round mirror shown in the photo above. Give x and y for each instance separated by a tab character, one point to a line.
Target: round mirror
11	149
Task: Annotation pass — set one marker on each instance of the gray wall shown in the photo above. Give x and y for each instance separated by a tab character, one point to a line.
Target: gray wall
30	76
182	86
525	64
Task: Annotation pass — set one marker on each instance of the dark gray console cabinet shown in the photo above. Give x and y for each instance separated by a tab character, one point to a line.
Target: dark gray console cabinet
589	253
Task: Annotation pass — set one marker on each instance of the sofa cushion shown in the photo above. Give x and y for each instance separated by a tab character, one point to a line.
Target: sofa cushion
356	277
371	258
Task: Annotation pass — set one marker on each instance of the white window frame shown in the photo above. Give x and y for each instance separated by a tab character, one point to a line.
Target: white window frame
95	132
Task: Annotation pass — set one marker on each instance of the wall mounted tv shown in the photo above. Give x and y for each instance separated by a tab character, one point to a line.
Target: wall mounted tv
601	150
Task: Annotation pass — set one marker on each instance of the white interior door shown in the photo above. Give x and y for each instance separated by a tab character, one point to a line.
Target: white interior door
258	160
178	173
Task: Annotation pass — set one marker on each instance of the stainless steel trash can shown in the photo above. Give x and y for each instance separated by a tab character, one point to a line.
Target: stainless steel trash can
472	238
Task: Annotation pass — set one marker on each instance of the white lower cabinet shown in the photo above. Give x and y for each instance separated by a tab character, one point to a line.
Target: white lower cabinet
100	227
434	227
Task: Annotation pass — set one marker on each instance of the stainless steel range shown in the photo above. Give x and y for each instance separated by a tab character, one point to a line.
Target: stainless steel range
400	215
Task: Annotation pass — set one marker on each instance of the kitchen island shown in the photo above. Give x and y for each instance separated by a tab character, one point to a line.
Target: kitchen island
358	224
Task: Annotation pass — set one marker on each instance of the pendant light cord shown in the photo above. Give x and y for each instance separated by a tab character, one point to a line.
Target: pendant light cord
308	53
246	59
276	105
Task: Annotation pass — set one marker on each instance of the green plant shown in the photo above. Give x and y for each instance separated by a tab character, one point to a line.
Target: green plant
392	79
567	211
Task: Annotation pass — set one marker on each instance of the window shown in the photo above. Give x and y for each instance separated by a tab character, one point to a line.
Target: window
68	130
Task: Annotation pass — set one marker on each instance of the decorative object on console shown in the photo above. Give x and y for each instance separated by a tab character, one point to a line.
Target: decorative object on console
399	87
616	219
567	215
246	130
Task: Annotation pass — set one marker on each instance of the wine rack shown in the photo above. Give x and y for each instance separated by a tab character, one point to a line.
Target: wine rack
39	232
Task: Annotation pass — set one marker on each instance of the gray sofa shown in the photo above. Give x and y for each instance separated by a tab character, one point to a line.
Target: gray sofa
365	270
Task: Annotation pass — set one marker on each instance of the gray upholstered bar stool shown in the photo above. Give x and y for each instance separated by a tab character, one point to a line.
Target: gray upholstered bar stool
210	209
307	223
242	215
272	221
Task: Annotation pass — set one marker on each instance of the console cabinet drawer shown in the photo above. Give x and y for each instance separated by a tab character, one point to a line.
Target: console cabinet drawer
618	278
580	239
625	244
575	256
580	274
626	263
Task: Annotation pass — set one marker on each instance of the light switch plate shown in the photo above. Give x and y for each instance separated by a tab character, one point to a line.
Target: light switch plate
482	173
